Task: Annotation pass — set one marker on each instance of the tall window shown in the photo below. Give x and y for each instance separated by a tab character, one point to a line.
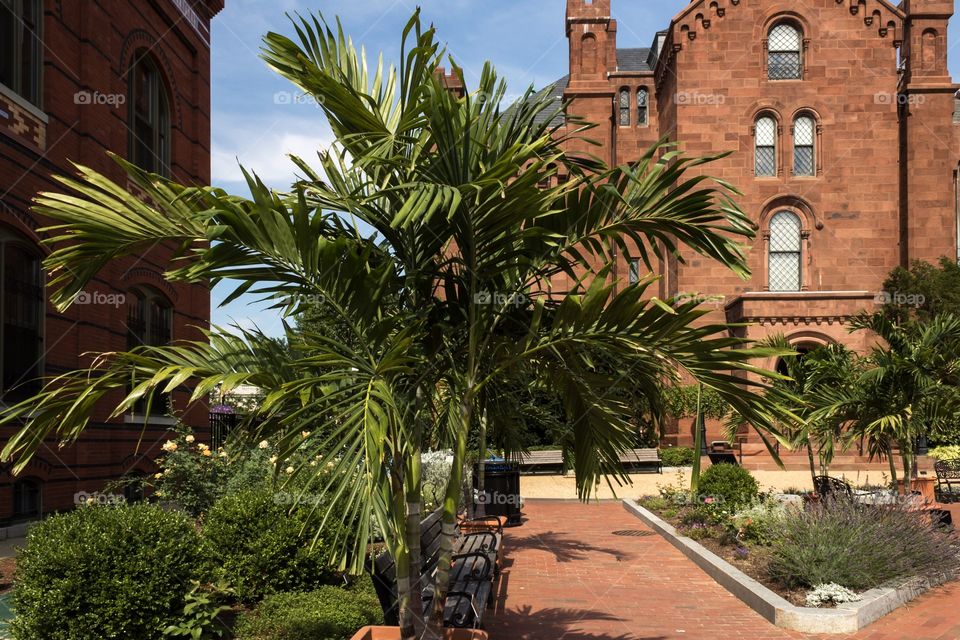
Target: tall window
21	56
785	252
149	117
643	107
27	499
624	107
149	322
804	158
634	270
766	147
784	46
22	308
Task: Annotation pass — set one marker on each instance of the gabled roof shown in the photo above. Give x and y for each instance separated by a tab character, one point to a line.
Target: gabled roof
637	59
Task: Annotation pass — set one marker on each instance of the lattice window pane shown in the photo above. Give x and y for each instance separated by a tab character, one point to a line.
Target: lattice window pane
785	232
803	161
766	132
642	107
642	97
784	37
784	46
784	66
624	108
803	132
766	161
784	272
634	270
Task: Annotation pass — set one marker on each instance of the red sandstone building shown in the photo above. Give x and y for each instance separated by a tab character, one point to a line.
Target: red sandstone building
78	79
840	115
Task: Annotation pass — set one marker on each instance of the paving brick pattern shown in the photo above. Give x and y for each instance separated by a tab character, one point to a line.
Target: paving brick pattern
593	572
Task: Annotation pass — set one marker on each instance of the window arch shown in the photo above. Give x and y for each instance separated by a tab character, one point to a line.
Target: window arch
784	52
804	145
765	141
623	104
149	116
22	313
784	266
643	107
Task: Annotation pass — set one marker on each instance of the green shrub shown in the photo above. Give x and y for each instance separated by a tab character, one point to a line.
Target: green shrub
676	456
857	546
258	546
945	453
732	483
330	613
759	522
105	572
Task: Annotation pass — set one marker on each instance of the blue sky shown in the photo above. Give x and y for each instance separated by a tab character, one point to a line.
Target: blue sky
256	121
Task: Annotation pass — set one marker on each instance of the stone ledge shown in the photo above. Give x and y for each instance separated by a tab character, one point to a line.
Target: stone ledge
846	618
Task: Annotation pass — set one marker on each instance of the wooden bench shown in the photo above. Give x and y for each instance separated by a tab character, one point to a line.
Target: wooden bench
542	462
948	480
475	565
642	459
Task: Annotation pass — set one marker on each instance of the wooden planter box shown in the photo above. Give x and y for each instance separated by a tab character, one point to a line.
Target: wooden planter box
393	633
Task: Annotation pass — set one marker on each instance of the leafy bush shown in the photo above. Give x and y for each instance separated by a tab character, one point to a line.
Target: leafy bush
759	522
436	469
258	546
677	456
945	453
731	482
858	546
330	613
105	572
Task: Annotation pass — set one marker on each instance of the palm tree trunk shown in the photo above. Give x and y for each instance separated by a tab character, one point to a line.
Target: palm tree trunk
401	558
813	466
413	615
450	503
697	447
481	466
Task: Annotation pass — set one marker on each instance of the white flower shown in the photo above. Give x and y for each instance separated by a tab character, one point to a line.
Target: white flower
273	459
305	434
263	444
190	438
289	470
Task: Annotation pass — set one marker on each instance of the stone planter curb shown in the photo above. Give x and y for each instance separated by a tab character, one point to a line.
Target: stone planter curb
845	618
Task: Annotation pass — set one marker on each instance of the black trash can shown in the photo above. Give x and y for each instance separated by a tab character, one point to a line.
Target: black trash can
501	491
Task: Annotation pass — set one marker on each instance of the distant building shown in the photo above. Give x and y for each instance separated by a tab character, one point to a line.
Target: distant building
78	79
841	118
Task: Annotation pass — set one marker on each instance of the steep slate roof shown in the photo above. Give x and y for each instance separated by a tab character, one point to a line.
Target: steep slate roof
555	91
633	59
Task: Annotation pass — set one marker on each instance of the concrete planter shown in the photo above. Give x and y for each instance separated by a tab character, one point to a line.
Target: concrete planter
393	633
845	618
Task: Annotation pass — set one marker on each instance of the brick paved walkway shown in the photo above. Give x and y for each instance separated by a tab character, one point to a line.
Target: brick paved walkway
594	572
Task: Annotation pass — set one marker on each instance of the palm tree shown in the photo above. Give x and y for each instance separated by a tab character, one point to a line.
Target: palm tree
450	296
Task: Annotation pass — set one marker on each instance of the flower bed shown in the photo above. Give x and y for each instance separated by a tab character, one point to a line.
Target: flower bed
810	553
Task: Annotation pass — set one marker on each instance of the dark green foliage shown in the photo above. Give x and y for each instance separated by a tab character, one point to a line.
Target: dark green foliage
105	572
858	546
731	482
681	402
677	456
924	291
258	547
330	613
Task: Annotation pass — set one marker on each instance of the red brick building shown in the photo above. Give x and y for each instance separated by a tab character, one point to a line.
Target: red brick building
841	118
78	79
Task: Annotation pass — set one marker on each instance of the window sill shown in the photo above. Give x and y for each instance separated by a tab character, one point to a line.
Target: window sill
136	418
23	103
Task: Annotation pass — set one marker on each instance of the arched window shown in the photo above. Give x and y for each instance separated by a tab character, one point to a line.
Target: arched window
149	117
624	104
27	499
784	47
21	53
22	310
766	146
785	252
804	156
149	323
643	107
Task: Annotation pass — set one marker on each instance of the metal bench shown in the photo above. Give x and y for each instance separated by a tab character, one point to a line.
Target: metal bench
948	480
474	566
642	459
830	487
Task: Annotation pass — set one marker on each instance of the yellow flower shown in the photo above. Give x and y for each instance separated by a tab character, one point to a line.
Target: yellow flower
203	447
158	476
169	446
305	434
206	453
190	438
273	459
289	470
263	444
222	454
